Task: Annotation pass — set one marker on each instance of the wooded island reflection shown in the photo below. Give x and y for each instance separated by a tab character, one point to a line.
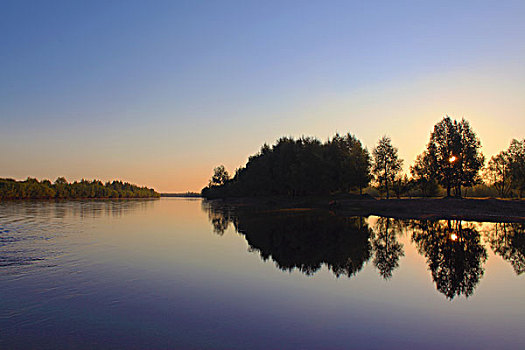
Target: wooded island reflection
306	240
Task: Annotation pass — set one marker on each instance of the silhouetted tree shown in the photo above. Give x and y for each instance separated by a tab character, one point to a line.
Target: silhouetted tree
453	155
402	185
386	164
516	156
220	176
348	163
61	181
422	174
498	173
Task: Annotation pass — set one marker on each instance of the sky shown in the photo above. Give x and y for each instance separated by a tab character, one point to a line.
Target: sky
158	93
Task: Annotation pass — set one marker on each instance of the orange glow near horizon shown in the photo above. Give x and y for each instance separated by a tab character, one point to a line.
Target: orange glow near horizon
180	162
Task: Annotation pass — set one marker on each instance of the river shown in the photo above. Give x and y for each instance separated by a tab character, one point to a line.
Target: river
185	273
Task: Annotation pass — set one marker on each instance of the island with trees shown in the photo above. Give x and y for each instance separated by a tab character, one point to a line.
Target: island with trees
342	174
61	189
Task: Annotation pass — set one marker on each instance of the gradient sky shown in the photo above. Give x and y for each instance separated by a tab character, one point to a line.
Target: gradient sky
159	92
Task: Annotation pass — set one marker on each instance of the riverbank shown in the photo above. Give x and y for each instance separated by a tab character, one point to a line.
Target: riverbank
469	209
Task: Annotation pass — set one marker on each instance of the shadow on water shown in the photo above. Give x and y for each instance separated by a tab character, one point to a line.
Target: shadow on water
455	251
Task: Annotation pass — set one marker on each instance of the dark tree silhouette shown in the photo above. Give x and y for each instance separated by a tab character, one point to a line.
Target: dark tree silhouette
220	176
454	254
402	185
299	167
386	165
498	174
349	163
453	155
422	175
516	154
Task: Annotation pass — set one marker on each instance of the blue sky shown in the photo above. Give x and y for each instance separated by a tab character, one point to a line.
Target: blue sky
160	92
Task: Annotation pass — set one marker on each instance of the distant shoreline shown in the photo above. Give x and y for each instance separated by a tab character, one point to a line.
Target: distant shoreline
468	209
182	195
32	188
75	199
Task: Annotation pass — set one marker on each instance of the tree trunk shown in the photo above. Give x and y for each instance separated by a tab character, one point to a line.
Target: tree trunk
386	183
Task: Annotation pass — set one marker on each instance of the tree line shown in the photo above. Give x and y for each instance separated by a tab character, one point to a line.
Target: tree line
33	189
452	162
297	167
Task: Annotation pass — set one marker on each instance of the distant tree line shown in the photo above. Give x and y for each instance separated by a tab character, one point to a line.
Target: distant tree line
451	162
61	189
184	195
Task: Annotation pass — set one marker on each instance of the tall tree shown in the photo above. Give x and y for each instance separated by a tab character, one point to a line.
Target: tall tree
422	173
358	164
516	154
348	163
497	173
386	163
453	155
220	176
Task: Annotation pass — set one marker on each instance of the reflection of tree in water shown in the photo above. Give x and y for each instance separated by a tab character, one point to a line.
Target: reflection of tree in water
304	240
387	250
454	254
220	222
220	217
508	241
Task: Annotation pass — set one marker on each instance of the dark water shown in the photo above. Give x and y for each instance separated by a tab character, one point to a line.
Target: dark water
179	273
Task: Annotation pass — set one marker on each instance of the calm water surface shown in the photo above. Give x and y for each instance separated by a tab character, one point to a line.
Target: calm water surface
179	273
